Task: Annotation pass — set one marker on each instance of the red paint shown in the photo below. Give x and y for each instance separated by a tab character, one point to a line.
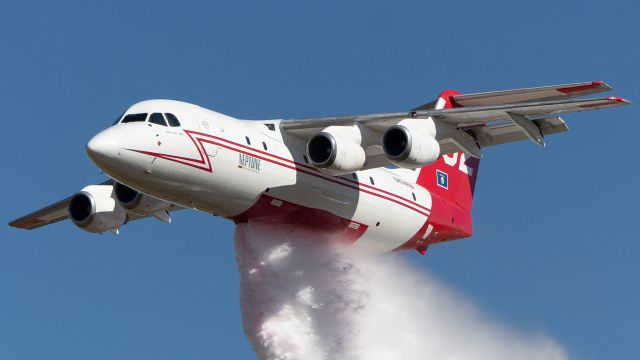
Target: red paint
579	88
460	185
299	166
30	223
451	206
422	249
196	163
611	101
283	213
203	163
449	222
449	97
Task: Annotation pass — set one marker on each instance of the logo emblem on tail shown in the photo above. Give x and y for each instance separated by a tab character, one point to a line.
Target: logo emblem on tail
442	179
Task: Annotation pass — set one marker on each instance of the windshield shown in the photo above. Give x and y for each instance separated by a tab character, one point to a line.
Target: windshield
134	118
173	120
156	118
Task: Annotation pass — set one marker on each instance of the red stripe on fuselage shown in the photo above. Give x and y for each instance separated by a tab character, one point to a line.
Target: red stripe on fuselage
280	161
333	180
204	157
314	172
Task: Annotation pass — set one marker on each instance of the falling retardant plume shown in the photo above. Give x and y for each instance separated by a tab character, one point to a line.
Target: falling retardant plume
304	297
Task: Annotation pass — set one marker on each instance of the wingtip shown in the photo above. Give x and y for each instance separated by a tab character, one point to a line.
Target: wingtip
601	84
620	100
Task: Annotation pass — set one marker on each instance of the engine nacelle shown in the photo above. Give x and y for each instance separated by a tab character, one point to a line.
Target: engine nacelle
336	150
137	202
94	209
411	143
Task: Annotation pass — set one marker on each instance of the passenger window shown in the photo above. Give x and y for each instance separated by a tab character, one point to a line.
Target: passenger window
414	196
264	145
134	118
371	179
172	119
246	138
157	118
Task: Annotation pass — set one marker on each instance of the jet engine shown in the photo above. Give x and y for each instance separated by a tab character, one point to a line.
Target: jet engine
94	210
138	203
336	150
411	143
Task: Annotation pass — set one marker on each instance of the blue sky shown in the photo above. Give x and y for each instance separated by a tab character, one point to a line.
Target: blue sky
555	246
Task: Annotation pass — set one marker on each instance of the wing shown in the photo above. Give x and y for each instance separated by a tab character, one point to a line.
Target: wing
484	114
490	118
45	216
543	93
58	212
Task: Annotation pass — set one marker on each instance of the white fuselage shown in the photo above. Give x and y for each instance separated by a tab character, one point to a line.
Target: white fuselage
224	166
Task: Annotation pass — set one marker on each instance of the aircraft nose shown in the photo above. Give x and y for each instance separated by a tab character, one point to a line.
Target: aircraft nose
103	147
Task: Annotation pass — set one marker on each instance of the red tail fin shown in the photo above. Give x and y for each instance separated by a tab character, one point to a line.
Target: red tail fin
453	176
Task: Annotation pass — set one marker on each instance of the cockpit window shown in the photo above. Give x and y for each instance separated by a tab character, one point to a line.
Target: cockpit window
173	120
134	118
157	118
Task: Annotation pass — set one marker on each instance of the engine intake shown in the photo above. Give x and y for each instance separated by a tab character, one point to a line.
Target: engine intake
94	210
137	202
396	142
82	208
409	146
335	154
322	150
126	196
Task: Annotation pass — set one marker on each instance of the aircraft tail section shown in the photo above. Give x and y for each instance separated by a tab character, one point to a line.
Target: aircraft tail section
453	176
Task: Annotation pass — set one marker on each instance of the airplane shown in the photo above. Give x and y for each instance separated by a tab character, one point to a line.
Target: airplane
380	182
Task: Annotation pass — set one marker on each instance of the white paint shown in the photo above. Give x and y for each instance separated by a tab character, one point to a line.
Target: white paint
427	232
228	190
